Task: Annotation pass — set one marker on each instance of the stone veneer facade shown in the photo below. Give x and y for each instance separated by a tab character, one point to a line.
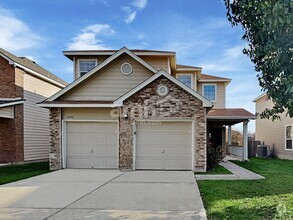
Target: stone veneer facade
145	104
55	152
177	105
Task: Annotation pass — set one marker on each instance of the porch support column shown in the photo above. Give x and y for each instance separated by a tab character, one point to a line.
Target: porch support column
229	135
245	144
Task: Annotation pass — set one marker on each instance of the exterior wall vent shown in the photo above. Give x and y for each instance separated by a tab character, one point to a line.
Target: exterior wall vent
162	90
126	69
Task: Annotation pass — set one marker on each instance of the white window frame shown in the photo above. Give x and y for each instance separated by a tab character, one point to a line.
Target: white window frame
187	74
209	84
80	60
291	137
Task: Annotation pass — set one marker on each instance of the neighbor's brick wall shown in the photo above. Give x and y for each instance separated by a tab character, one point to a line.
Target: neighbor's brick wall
177	105
11	130
55	153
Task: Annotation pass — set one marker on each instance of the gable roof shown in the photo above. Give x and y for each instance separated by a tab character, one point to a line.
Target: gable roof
72	53
185	67
210	78
79	80
206	102
27	64
260	96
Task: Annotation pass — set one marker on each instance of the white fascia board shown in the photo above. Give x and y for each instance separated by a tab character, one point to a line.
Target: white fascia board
206	102
10	99
257	98
97	53
214	80
100	66
188	69
53	105
231	117
11	103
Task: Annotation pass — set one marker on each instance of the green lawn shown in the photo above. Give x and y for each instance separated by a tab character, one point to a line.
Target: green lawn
13	173
217	170
252	199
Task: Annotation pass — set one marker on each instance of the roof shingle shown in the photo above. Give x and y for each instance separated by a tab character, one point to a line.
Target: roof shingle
24	61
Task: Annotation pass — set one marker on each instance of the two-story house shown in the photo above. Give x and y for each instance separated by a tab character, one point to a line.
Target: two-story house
277	134
24	127
138	109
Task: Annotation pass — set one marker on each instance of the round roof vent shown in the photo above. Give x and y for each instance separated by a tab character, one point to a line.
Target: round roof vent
162	90
126	68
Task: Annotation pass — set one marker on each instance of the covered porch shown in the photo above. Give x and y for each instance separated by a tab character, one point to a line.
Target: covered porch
218	120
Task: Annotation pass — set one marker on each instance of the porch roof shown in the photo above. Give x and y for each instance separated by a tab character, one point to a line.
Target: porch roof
4	102
229	116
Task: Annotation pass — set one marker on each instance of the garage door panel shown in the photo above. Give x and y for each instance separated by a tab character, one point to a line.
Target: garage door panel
92	145
165	145
78	150
104	162
151	163
79	162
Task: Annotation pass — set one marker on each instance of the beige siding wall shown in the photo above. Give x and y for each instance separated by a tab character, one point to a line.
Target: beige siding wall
221	93
36	119
90	113
7	112
110	83
272	133
157	62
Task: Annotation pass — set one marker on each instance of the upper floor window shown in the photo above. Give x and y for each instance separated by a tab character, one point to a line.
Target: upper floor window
86	65
186	79
209	91
289	135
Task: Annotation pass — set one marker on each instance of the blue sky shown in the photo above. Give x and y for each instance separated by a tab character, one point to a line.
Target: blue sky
197	30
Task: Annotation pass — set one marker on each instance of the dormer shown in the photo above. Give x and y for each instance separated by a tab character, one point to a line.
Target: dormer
83	61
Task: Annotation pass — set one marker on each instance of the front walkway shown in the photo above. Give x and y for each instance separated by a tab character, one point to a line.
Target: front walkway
239	173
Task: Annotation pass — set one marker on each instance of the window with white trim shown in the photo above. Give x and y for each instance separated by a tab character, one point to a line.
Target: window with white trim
186	79
209	91
289	135
86	65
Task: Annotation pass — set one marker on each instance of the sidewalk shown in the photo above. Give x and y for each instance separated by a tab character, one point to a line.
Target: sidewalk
239	173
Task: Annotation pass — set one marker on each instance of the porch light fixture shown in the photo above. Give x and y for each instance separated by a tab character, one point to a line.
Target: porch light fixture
125	115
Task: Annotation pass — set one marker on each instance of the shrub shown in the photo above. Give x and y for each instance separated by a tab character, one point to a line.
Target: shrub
214	156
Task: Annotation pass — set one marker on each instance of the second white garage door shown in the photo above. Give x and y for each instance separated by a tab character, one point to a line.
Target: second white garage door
164	146
92	145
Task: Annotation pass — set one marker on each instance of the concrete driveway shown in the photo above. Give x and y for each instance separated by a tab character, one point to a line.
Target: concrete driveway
103	194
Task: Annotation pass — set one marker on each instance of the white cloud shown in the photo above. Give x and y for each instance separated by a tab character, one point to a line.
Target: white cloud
131	11
16	35
140	36
231	59
130	18
100	29
88	39
140	4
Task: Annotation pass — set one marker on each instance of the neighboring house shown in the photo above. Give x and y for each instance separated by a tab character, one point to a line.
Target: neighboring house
24	126
138	109
277	134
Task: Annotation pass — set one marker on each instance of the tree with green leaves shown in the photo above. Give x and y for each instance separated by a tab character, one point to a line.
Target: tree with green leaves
268	29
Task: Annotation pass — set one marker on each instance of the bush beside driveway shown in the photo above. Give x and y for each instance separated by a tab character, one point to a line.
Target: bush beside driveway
252	199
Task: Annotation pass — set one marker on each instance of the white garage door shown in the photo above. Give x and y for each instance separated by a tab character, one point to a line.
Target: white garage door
92	144
164	145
